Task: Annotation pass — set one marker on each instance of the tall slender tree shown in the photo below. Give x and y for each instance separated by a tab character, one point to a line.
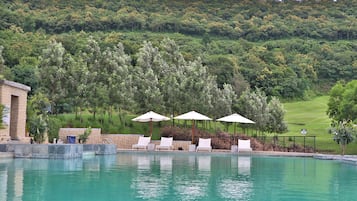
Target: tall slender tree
276	116
52	73
147	73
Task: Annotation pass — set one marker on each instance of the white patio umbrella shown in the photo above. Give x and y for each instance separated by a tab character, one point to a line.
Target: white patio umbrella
151	117
236	118
192	116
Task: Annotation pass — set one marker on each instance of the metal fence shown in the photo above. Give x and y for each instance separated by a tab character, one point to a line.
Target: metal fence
290	143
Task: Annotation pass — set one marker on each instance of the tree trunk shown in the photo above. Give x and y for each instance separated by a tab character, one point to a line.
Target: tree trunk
343	149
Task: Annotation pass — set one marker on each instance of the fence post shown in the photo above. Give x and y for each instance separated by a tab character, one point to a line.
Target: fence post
304	143
284	142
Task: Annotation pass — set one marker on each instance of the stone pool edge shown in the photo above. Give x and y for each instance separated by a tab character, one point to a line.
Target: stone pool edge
350	159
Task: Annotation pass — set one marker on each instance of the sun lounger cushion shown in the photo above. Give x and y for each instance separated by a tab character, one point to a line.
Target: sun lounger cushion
165	143
143	143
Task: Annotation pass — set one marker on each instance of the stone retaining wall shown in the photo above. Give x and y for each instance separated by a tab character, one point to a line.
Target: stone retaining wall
93	138
122	141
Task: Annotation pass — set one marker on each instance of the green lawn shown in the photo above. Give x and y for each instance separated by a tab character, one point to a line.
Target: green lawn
312	116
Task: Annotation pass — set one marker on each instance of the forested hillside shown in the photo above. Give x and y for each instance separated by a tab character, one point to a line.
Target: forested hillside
288	49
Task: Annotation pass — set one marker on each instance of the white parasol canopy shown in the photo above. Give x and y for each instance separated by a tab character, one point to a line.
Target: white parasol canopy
151	117
236	118
193	115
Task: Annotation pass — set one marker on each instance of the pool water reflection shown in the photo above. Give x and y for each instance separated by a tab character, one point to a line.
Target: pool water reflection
177	176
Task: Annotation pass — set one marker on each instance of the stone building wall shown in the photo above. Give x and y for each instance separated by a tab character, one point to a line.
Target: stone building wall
14	97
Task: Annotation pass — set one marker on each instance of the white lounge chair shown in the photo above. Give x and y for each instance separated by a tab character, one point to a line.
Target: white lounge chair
165	143
204	145
244	145
143	143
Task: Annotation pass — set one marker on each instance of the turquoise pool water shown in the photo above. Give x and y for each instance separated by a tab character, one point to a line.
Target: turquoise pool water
177	176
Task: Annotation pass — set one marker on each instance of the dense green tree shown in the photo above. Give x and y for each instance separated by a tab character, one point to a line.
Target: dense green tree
336	96
254	105
222	67
342	105
239	84
276	112
26	72
5	72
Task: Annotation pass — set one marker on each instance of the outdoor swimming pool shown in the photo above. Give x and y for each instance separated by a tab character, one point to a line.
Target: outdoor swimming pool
177	176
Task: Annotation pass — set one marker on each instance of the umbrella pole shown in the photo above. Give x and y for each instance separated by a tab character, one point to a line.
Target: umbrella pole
234	133
234	128
193	130
150	129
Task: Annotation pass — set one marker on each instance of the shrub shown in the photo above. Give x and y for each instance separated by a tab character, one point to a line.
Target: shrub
83	137
53	127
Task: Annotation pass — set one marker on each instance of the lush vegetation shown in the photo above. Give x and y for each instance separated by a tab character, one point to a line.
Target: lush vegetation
112	58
